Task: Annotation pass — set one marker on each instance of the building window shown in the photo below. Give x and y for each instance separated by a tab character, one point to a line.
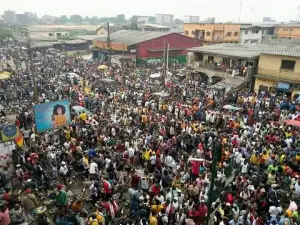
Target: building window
210	59
291	30
288	64
246	32
228	33
186	32
255	32
58	34
236	33
193	32
207	33
50	34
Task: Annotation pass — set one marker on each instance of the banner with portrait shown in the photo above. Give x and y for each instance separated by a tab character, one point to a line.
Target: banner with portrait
52	115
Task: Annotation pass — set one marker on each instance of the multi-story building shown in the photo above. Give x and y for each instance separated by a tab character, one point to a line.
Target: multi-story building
192	19
9	16
279	70
164	19
252	34
142	20
212	33
224	66
259	66
288	31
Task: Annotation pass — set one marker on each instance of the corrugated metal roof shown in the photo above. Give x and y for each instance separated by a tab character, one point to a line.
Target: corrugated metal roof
250	50
88	37
131	37
41	45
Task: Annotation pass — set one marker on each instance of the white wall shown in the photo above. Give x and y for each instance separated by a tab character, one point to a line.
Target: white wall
248	35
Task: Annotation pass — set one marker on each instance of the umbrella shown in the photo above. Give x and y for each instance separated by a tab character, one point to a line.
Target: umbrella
162	94
107	81
295	123
155	75
230	107
4	75
102	67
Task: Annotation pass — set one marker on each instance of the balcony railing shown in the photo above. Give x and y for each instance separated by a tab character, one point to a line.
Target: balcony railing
215	69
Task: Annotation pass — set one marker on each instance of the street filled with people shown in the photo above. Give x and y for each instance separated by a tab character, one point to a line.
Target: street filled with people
142	149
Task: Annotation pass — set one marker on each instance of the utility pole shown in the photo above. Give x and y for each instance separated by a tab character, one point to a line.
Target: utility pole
30	67
108	44
167	65
241	4
216	155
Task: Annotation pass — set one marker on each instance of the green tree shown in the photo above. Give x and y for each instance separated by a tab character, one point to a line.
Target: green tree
152	19
120	19
86	19
133	23
76	19
63	19
178	21
95	20
5	33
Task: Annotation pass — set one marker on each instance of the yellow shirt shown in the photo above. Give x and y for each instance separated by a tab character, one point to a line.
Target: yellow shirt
83	116
147	155
85	161
152	220
157	208
93	222
254	159
100	217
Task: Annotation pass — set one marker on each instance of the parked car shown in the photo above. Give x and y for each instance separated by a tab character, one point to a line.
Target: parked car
77	110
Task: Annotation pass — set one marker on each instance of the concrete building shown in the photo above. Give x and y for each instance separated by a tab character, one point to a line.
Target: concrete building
103	30
224	66
288	31
9	16
164	19
213	33
142	20
252	34
279	70
153	27
191	19
47	34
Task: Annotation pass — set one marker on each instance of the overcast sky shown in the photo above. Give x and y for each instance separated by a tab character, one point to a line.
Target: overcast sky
223	10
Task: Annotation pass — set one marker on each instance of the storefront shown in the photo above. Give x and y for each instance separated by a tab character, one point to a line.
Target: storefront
284	89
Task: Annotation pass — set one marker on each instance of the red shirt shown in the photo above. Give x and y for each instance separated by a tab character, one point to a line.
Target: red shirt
6	197
202	209
106	187
196	167
155	189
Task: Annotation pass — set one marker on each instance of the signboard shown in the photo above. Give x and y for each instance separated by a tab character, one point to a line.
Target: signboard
52	115
113	45
9	132
284	86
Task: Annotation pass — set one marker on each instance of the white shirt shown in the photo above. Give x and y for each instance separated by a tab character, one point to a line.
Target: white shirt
63	170
93	168
131	152
245	168
274	210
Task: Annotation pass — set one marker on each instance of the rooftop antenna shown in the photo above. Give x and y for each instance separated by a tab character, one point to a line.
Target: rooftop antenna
241	4
298	14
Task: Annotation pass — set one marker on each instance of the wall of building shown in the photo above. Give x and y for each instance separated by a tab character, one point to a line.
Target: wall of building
248	36
48	35
287	32
270	65
214	32
176	41
101	31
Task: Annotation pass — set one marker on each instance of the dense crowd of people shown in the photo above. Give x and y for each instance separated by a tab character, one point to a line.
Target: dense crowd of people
145	149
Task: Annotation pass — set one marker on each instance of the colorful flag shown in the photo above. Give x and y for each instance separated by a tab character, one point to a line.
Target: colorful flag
20	141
